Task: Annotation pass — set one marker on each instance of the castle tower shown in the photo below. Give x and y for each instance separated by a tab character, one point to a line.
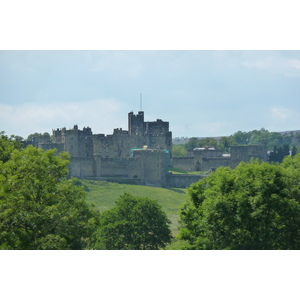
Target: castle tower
136	123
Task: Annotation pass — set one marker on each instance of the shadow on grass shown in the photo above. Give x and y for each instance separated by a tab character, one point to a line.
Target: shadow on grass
79	183
176	190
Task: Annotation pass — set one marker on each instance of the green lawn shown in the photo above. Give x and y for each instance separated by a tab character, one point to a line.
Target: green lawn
180	171
104	194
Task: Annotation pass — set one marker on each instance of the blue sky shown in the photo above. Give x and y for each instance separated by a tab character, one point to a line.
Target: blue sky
201	93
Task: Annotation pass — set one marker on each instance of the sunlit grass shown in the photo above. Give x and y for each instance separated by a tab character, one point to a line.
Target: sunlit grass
104	194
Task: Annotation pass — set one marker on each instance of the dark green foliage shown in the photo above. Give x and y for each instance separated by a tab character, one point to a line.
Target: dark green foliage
272	139
135	223
39	207
254	137
294	151
196	143
242	138
179	151
225	143
7	145
255	206
279	153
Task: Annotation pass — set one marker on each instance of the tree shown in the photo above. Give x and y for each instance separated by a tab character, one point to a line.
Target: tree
208	142
255	206
7	145
241	138
135	223
226	142
285	150
192	143
179	151
294	151
278	153
39	207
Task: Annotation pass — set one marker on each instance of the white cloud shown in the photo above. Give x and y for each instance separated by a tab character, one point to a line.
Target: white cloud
295	63
101	115
280	114
271	61
282	119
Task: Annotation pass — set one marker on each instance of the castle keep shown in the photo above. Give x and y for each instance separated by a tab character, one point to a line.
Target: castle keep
142	154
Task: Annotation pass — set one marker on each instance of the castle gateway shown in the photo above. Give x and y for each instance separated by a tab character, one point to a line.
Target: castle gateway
142	154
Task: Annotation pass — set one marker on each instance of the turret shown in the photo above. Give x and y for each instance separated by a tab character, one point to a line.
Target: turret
136	123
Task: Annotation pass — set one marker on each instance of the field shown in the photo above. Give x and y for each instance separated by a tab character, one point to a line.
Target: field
104	194
180	171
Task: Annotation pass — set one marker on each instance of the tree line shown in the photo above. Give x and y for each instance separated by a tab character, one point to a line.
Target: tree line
278	145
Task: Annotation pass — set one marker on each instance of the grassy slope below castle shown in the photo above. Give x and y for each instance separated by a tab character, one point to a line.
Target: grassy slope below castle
104	194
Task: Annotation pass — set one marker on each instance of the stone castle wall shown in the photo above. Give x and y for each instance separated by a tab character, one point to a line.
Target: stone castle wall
205	160
81	167
116	155
143	154
213	163
183	163
151	167
182	180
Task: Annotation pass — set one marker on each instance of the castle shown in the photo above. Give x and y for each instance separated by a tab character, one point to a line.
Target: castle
142	154
203	159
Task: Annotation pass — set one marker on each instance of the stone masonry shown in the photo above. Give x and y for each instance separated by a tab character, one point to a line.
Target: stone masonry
142	154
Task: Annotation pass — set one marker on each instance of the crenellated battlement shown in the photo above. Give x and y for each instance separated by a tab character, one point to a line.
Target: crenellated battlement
100	155
142	153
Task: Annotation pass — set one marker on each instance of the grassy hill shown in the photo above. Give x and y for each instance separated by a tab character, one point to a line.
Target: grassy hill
104	194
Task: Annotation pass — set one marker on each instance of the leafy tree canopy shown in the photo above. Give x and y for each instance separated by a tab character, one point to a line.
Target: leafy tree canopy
254	137
39	207
255	206
279	153
7	145
199	143
135	223
179	151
